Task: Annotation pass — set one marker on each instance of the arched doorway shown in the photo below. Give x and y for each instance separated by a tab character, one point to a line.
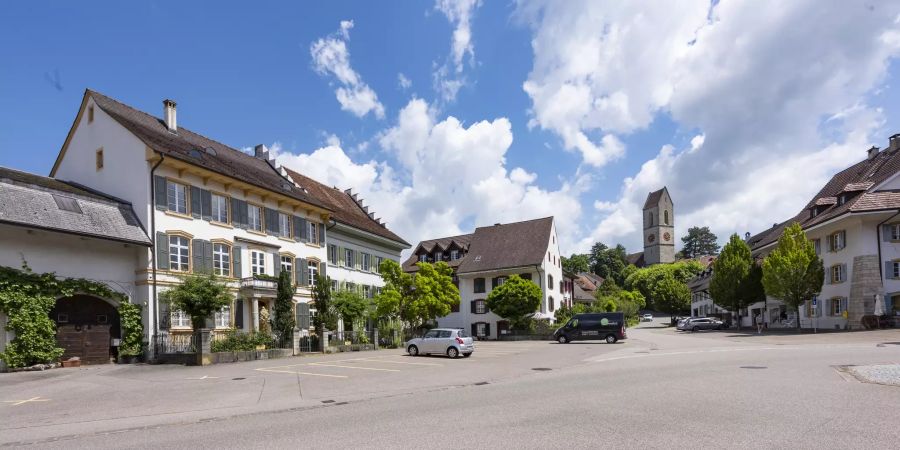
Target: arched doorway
85	327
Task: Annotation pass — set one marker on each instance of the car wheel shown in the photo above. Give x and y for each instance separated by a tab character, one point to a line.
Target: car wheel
611	339
413	350
695	329
452	352
562	339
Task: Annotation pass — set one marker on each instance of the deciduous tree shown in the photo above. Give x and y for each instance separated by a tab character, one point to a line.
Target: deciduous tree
514	300
793	273
198	296
608	262
576	263
416	299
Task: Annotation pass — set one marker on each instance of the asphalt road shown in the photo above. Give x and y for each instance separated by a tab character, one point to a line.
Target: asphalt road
659	389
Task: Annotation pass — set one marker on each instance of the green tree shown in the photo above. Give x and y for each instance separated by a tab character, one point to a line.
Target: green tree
515	300
608	262
793	273
736	279
325	318
698	242
350	306
416	299
198	296
576	263
648	280
608	287
671	295
284	321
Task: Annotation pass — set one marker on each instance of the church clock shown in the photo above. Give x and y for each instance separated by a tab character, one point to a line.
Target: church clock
667	236
651	238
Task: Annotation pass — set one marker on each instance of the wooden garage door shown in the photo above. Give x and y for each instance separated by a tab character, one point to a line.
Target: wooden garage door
88	342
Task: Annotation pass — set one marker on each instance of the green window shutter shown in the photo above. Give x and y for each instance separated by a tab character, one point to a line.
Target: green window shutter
322	270
303	267
843	304
239	314
304	230
238	211
487	330
302	317
298	225
321	234
162	250
340	256
205	205
236	262
271	226
159	189
165	317
208	255
195	202
197	256
889	270
843	239
277	263
472	306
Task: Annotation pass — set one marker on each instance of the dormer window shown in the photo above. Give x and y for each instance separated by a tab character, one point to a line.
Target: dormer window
454	255
438	256
423	257
842	199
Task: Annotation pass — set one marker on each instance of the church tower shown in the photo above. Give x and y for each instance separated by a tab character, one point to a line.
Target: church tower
659	228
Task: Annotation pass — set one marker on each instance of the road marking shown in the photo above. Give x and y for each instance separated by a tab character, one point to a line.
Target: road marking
401	362
30	400
352	367
292	372
204	377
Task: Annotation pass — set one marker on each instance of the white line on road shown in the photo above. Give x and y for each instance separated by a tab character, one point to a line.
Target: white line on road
714	350
352	367
401	362
292	372
20	402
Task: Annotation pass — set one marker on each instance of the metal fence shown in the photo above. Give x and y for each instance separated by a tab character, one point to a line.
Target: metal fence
164	343
351	337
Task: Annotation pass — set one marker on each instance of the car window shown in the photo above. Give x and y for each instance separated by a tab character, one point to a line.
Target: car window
431	334
573	323
444	334
462	333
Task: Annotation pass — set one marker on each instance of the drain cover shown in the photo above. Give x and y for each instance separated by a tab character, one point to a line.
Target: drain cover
541	369
481	383
341	403
754	367
238	378
327	401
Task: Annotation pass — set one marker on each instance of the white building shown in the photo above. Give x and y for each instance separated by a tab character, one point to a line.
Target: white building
484	260
207	207
854	223
76	233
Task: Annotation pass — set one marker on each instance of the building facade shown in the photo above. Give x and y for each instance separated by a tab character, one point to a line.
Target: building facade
854	224
208	208
485	259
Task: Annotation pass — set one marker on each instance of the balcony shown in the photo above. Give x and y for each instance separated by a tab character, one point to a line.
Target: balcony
258	287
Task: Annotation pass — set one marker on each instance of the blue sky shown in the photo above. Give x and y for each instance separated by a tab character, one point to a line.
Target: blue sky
576	110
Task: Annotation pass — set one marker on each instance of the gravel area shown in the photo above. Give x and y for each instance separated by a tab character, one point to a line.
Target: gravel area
888	374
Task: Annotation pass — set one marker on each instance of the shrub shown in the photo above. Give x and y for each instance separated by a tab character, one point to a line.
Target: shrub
132	329
236	341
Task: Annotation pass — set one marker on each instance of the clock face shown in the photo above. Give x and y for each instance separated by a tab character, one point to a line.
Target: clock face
667	236
651	238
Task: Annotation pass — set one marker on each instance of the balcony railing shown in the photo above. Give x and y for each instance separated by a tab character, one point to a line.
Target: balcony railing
256	283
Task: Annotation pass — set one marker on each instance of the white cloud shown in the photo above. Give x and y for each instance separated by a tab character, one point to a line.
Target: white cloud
403	82
331	57
449	175
777	93
449	78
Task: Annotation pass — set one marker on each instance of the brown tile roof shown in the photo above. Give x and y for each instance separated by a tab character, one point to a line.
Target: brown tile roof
653	198
869	172
345	209
852	187
428	246
34	201
826	201
508	245
194	148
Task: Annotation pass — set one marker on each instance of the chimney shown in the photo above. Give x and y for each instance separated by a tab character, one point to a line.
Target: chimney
747	236
169	115
894	143
260	151
873	152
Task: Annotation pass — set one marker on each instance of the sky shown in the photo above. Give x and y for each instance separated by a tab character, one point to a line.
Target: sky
449	115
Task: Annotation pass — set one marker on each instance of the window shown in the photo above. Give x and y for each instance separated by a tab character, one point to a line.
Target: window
257	262
179	253
313	232
378	261
837	306
223	317
552	304
287	265
423	257
817	244
650	218
364	257
481	329
348	258
176	193
895	268
219	208
313	272
90	114
837	274
549	281
838	241
180	319
895	232
284	225
438	256
480	307
334	285
99	159
332	254
454	255
479	285
367	291
500	281
548	257
254	221
222	260
666	216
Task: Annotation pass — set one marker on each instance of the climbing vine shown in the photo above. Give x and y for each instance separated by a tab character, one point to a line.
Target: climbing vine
132	329
26	298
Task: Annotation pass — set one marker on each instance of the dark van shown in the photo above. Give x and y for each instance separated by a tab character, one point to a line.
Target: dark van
592	326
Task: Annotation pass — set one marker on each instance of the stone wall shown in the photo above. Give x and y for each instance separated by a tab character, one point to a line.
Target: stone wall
865	283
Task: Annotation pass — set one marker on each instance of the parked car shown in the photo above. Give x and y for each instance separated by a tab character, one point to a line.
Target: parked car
442	341
607	326
647	318
701	323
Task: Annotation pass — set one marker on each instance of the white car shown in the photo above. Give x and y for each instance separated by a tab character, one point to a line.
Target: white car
442	341
647	318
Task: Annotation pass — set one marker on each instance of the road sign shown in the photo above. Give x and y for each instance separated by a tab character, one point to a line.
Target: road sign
815	301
